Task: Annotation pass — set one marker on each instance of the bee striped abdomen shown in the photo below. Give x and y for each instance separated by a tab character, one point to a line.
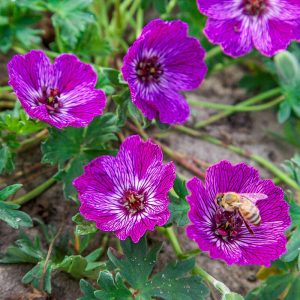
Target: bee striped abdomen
251	214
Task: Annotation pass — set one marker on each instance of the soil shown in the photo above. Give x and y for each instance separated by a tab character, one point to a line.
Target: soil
248	130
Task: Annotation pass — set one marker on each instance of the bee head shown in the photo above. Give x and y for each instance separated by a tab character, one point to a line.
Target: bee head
219	199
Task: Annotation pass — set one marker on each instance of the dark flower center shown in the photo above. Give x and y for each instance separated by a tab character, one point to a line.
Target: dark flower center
50	97
134	201
254	7
149	70
227	224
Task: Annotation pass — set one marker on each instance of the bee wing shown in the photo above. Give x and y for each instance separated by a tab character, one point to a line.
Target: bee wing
254	197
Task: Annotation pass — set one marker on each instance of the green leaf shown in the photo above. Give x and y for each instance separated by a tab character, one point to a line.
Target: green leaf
24	251
18	122
9	190
293	247
70	19
87	289
178	205
180	187
83	226
232	296
294	290
160	5
178	208
62	145
6	159
137	263
78	266
284	112
29	36
74	169
173	283
271	288
287	67
79	146
35	275
98	46
14	217
112	289
9	212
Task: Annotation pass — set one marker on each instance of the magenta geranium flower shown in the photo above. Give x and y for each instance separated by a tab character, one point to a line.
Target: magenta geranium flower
61	94
240	25
127	194
160	64
224	233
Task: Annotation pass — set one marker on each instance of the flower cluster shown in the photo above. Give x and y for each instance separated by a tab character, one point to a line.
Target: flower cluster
161	63
223	233
234	215
240	25
127	194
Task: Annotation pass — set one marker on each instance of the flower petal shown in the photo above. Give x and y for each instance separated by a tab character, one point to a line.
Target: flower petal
80	105
71	73
220	9
272	36
234	35
225	177
28	74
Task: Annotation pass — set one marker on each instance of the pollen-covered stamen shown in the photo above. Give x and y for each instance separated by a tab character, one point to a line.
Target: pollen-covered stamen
51	99
227	224
134	201
254	7
149	70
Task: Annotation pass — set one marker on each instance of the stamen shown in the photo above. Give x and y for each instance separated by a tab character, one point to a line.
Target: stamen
149	70
134	201
50	98
254	7
228	224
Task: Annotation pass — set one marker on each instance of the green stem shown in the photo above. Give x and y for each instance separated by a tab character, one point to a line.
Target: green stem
7	104
254	157
5	89
250	101
169	232
169	9
59	42
213	52
220	286
190	253
139	21
236	108
33	141
35	192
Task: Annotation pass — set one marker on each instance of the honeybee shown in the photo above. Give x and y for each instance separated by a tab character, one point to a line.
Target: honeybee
244	204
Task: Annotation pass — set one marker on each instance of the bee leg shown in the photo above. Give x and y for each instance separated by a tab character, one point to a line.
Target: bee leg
246	224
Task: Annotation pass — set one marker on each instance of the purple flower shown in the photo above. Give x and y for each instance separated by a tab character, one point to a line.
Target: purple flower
127	194
61	94
160	64
224	234
240	25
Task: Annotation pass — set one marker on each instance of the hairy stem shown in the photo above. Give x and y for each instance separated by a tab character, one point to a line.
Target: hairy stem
236	108
35	192
250	101
260	160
